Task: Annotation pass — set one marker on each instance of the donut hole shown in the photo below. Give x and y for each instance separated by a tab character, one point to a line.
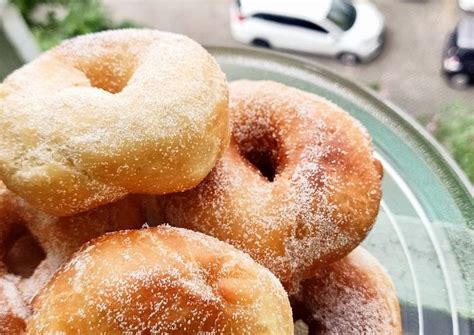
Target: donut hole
24	253
264	162
314	326
262	153
109	74
305	323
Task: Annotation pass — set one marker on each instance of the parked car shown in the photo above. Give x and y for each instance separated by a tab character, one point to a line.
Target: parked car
458	57
467	5
350	31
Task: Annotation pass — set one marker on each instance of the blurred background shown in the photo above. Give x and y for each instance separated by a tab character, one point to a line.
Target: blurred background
417	54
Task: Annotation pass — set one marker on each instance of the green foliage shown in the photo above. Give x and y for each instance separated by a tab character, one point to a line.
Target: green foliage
375	85
62	19
454	128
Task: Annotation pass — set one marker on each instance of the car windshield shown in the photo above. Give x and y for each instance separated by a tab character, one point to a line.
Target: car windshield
342	13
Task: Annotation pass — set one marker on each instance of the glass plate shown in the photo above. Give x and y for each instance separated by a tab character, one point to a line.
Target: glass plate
424	232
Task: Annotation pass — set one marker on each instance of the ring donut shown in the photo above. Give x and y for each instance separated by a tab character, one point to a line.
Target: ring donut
297	189
163	280
112	113
36	244
351	296
60	237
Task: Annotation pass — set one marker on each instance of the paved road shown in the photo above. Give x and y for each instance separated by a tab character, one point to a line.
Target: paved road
407	72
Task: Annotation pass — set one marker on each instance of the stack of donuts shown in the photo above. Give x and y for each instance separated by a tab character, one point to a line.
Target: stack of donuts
141	193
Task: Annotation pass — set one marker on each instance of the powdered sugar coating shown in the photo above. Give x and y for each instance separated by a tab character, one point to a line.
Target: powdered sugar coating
59	237
162	280
13	310
352	296
112	113
325	194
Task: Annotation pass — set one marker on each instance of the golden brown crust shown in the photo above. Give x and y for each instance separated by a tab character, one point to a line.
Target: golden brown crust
351	296
59	238
161	280
112	113
62	236
8	221
326	189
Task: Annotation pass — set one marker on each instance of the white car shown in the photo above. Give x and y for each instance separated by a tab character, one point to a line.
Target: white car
467	5
350	31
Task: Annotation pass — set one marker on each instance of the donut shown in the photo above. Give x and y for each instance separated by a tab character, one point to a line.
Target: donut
163	280
60	237
351	296
298	188
24	254
108	114
10	229
12	306
33	244
13	310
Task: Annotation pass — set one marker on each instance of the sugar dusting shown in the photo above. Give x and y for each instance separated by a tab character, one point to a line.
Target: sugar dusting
10	296
326	191
58	236
162	280
13	310
129	111
351	296
275	222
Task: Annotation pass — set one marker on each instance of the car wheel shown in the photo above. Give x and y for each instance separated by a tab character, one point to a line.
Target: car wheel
260	42
348	58
459	81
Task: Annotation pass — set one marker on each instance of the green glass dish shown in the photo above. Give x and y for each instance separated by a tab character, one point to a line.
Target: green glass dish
424	232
